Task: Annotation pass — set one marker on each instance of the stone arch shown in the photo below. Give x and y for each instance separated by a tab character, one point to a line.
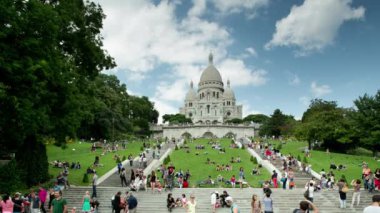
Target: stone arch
186	135
229	135
214	122
208	135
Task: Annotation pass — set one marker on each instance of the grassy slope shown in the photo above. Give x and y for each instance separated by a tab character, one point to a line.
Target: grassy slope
321	160
200	170
86	158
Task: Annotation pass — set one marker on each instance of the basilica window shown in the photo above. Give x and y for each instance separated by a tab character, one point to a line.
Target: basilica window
217	95
190	104
208	109
213	94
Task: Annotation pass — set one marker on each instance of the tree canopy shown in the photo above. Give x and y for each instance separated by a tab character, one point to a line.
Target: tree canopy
51	54
175	119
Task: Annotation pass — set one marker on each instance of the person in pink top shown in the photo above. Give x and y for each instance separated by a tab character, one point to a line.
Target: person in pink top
42	194
7	204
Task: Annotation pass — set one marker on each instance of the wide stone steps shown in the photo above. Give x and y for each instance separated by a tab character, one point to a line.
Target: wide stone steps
284	200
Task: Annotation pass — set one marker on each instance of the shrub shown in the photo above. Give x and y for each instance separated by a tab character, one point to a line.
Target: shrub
124	158
85	178
141	148
299	158
254	161
10	178
305	159
185	142
279	147
176	147
242	147
251	158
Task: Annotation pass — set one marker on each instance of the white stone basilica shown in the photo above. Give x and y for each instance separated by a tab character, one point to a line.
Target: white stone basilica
213	103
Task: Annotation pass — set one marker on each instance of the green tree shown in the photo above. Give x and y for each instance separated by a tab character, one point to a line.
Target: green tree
175	119
278	124
235	121
256	118
49	51
324	121
366	120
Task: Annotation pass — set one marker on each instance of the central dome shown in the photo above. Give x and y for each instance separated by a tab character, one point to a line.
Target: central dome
210	76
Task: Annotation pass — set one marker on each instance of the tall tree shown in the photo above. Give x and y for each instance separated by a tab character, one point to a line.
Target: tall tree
256	118
367	121
49	51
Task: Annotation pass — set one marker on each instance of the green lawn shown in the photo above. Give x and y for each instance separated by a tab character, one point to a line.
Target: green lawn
321	160
200	170
81	152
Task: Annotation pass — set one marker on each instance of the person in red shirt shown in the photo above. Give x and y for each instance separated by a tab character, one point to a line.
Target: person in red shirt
233	181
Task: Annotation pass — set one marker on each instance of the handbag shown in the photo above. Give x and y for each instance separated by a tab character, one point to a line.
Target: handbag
345	189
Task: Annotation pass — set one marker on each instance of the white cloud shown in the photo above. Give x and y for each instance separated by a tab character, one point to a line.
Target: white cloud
164	108
294	79
304	100
240	75
319	90
142	36
248	109
313	25
199	7
238	6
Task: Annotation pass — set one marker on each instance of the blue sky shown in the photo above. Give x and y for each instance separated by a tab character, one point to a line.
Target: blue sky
277	54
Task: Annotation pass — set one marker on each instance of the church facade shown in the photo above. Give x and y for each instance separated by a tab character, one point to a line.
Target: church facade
209	107
212	102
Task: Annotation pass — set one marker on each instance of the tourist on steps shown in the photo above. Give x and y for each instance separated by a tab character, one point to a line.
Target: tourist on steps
356	194
343	189
123	178
191	204
268	203
86	207
234	207
255	204
305	206
59	204
375	207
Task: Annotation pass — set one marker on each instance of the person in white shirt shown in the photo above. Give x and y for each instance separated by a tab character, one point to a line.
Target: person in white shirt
310	187
213	201
375	207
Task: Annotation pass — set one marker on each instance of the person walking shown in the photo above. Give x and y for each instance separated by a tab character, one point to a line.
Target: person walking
255	204
274	179
42	194
131	203
343	189
123	179
268	203
214	197
59	204
284	180
191	204
233	206
116	203
35	203
152	180
356	194
86	207
94	184
305	206
6	204
309	193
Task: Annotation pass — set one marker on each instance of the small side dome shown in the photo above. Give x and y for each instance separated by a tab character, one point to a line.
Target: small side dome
228	93
191	95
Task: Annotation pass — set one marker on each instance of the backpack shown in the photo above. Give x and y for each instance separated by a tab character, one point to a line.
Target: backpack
307	192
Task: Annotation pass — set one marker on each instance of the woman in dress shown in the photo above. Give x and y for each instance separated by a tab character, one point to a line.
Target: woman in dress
255	204
191	204
86	206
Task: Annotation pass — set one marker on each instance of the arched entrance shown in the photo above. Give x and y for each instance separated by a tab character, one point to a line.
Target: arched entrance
208	135
186	135
230	135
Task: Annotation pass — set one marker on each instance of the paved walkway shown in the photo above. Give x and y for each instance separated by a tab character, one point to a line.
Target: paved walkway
114	179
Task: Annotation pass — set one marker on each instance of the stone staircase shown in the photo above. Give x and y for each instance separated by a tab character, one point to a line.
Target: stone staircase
284	200
114	179
300	178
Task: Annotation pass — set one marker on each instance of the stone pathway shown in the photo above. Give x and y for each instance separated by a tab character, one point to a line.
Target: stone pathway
284	200
114	179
